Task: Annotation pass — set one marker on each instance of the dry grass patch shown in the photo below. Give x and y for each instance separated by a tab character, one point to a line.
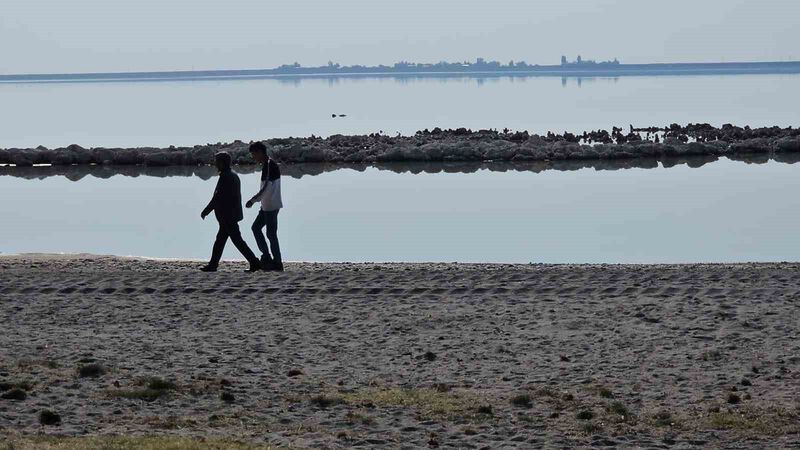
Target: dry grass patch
355	417
147	395
170	422
772	420
31	363
148	389
428	402
9	385
125	443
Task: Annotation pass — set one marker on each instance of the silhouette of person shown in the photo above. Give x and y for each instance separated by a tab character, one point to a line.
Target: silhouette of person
271	203
227	206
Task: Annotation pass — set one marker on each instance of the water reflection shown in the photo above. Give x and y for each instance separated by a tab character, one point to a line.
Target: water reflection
77	172
581	211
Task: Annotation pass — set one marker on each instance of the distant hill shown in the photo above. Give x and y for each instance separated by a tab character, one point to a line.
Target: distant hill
479	68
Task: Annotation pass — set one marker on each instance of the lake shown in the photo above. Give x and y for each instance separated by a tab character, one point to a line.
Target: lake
198	112
722	211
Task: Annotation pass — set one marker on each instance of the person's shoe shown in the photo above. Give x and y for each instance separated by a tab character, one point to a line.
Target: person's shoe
266	261
275	267
254	268
208	268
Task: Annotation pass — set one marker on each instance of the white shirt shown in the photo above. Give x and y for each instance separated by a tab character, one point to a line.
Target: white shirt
271	197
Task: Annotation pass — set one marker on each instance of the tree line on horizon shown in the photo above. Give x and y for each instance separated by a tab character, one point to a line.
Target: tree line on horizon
480	64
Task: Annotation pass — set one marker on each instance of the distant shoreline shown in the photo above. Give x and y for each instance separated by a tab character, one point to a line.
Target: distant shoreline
425	71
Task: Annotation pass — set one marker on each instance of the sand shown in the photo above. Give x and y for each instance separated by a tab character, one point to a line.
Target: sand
405	355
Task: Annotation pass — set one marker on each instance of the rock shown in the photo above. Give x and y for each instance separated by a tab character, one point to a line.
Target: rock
127	156
92	370
61	157
160	159
47	417
759	145
14	394
21	157
791	144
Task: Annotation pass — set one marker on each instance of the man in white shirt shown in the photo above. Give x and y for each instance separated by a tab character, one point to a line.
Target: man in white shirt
271	203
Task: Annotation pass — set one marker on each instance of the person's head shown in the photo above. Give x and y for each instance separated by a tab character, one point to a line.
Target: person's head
259	152
222	161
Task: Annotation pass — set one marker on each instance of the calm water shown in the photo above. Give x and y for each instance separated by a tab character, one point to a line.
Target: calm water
197	112
724	211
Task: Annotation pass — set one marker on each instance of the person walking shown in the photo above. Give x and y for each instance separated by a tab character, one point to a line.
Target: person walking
271	203
227	206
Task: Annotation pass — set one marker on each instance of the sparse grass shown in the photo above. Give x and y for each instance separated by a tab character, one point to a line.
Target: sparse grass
9	385
29	363
592	428
153	389
605	392
170	422
428	402
526	418
663	419
158	384
443	387
522	400
711	355
584	414
545	391
553	394
93	370
485	409
772	420
138	394
354	417
124	443
620	409
325	401
343	435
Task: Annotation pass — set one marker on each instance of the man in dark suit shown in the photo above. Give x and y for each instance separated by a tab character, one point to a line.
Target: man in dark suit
227	207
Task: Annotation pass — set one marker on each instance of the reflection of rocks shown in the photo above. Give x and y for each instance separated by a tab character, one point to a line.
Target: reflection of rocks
77	172
460	145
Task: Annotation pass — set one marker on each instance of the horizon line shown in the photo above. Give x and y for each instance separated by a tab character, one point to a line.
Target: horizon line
335	69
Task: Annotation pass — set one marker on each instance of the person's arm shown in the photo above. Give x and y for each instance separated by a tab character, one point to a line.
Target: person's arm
257	197
260	192
212	204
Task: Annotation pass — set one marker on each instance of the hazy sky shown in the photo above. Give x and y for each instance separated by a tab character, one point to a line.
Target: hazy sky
129	35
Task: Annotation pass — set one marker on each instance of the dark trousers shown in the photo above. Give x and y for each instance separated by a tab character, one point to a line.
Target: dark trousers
270	220
230	230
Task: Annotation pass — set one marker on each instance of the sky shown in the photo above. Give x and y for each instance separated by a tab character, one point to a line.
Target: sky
58	36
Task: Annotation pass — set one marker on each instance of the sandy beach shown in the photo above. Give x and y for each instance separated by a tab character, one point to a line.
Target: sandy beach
404	355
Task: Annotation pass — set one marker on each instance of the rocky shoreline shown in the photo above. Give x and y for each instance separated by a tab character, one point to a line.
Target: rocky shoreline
459	145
